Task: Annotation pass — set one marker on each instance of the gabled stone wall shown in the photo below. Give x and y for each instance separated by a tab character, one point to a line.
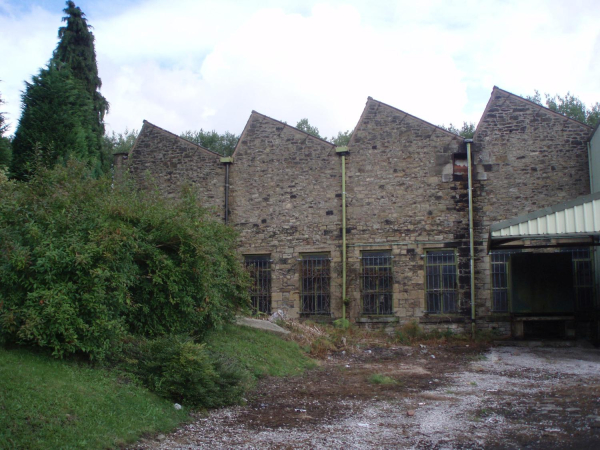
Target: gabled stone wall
406	193
163	159
285	201
403	196
527	158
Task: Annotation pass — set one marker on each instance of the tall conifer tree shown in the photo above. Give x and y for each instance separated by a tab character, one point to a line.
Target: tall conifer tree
76	50
63	110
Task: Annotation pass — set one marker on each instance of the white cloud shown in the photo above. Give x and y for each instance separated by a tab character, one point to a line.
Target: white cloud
322	66
186	64
27	44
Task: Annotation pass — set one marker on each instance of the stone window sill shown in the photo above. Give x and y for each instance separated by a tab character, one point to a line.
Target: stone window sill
498	317
319	318
377	319
442	318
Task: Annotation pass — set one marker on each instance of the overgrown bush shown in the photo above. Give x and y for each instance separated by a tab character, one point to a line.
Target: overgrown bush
82	264
176	367
409	333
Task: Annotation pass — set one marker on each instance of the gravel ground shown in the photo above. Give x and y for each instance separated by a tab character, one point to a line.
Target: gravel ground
444	398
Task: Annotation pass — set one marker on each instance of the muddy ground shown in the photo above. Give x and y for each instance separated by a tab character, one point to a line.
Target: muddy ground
438	397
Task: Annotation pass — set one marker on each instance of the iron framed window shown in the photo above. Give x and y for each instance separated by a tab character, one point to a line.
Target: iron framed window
441	281
259	268
500	274
315	277
377	282
583	277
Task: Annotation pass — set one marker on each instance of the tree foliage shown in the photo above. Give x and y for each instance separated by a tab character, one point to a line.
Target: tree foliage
223	144
120	142
342	139
570	106
305	126
76	50
63	111
466	131
82	264
5	145
57	124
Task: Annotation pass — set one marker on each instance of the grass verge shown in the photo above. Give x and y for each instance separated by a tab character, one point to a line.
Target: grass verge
259	352
47	403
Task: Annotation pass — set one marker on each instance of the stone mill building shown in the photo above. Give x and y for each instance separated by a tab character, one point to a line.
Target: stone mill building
409	221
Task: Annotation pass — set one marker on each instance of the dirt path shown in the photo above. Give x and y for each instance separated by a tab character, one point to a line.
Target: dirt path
442	398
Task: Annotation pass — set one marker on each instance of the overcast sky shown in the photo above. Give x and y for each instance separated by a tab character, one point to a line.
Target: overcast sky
191	64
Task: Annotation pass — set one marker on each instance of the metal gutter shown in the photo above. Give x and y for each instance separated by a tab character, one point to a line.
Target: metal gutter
471	243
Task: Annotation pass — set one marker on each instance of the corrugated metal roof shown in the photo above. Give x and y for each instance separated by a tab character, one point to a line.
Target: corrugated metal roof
576	217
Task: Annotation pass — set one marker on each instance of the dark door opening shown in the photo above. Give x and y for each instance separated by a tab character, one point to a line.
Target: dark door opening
544	329
542	294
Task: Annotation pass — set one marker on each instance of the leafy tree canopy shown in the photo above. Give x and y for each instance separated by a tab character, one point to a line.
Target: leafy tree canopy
570	106
466	131
223	144
305	126
342	139
120	142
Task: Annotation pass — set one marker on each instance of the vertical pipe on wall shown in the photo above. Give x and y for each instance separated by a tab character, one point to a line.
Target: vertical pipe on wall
343	236
343	151
227	161
592	162
591	165
226	194
471	243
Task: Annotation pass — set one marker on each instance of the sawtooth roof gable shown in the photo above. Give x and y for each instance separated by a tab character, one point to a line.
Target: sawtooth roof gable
376	104
280	128
500	96
147	127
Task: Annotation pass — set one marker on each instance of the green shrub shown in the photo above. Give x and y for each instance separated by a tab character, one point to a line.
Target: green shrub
412	330
175	367
341	323
439	334
82	264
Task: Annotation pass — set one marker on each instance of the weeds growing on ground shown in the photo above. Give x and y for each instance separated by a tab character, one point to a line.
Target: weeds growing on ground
378	378
322	339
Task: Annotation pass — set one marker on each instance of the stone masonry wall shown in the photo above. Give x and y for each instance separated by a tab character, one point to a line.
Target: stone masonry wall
285	201
403	196
526	158
406	192
165	160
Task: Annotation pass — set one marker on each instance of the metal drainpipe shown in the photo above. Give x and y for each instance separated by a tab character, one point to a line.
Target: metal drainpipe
471	244
343	151
227	161
591	167
594	249
344	236
226	194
